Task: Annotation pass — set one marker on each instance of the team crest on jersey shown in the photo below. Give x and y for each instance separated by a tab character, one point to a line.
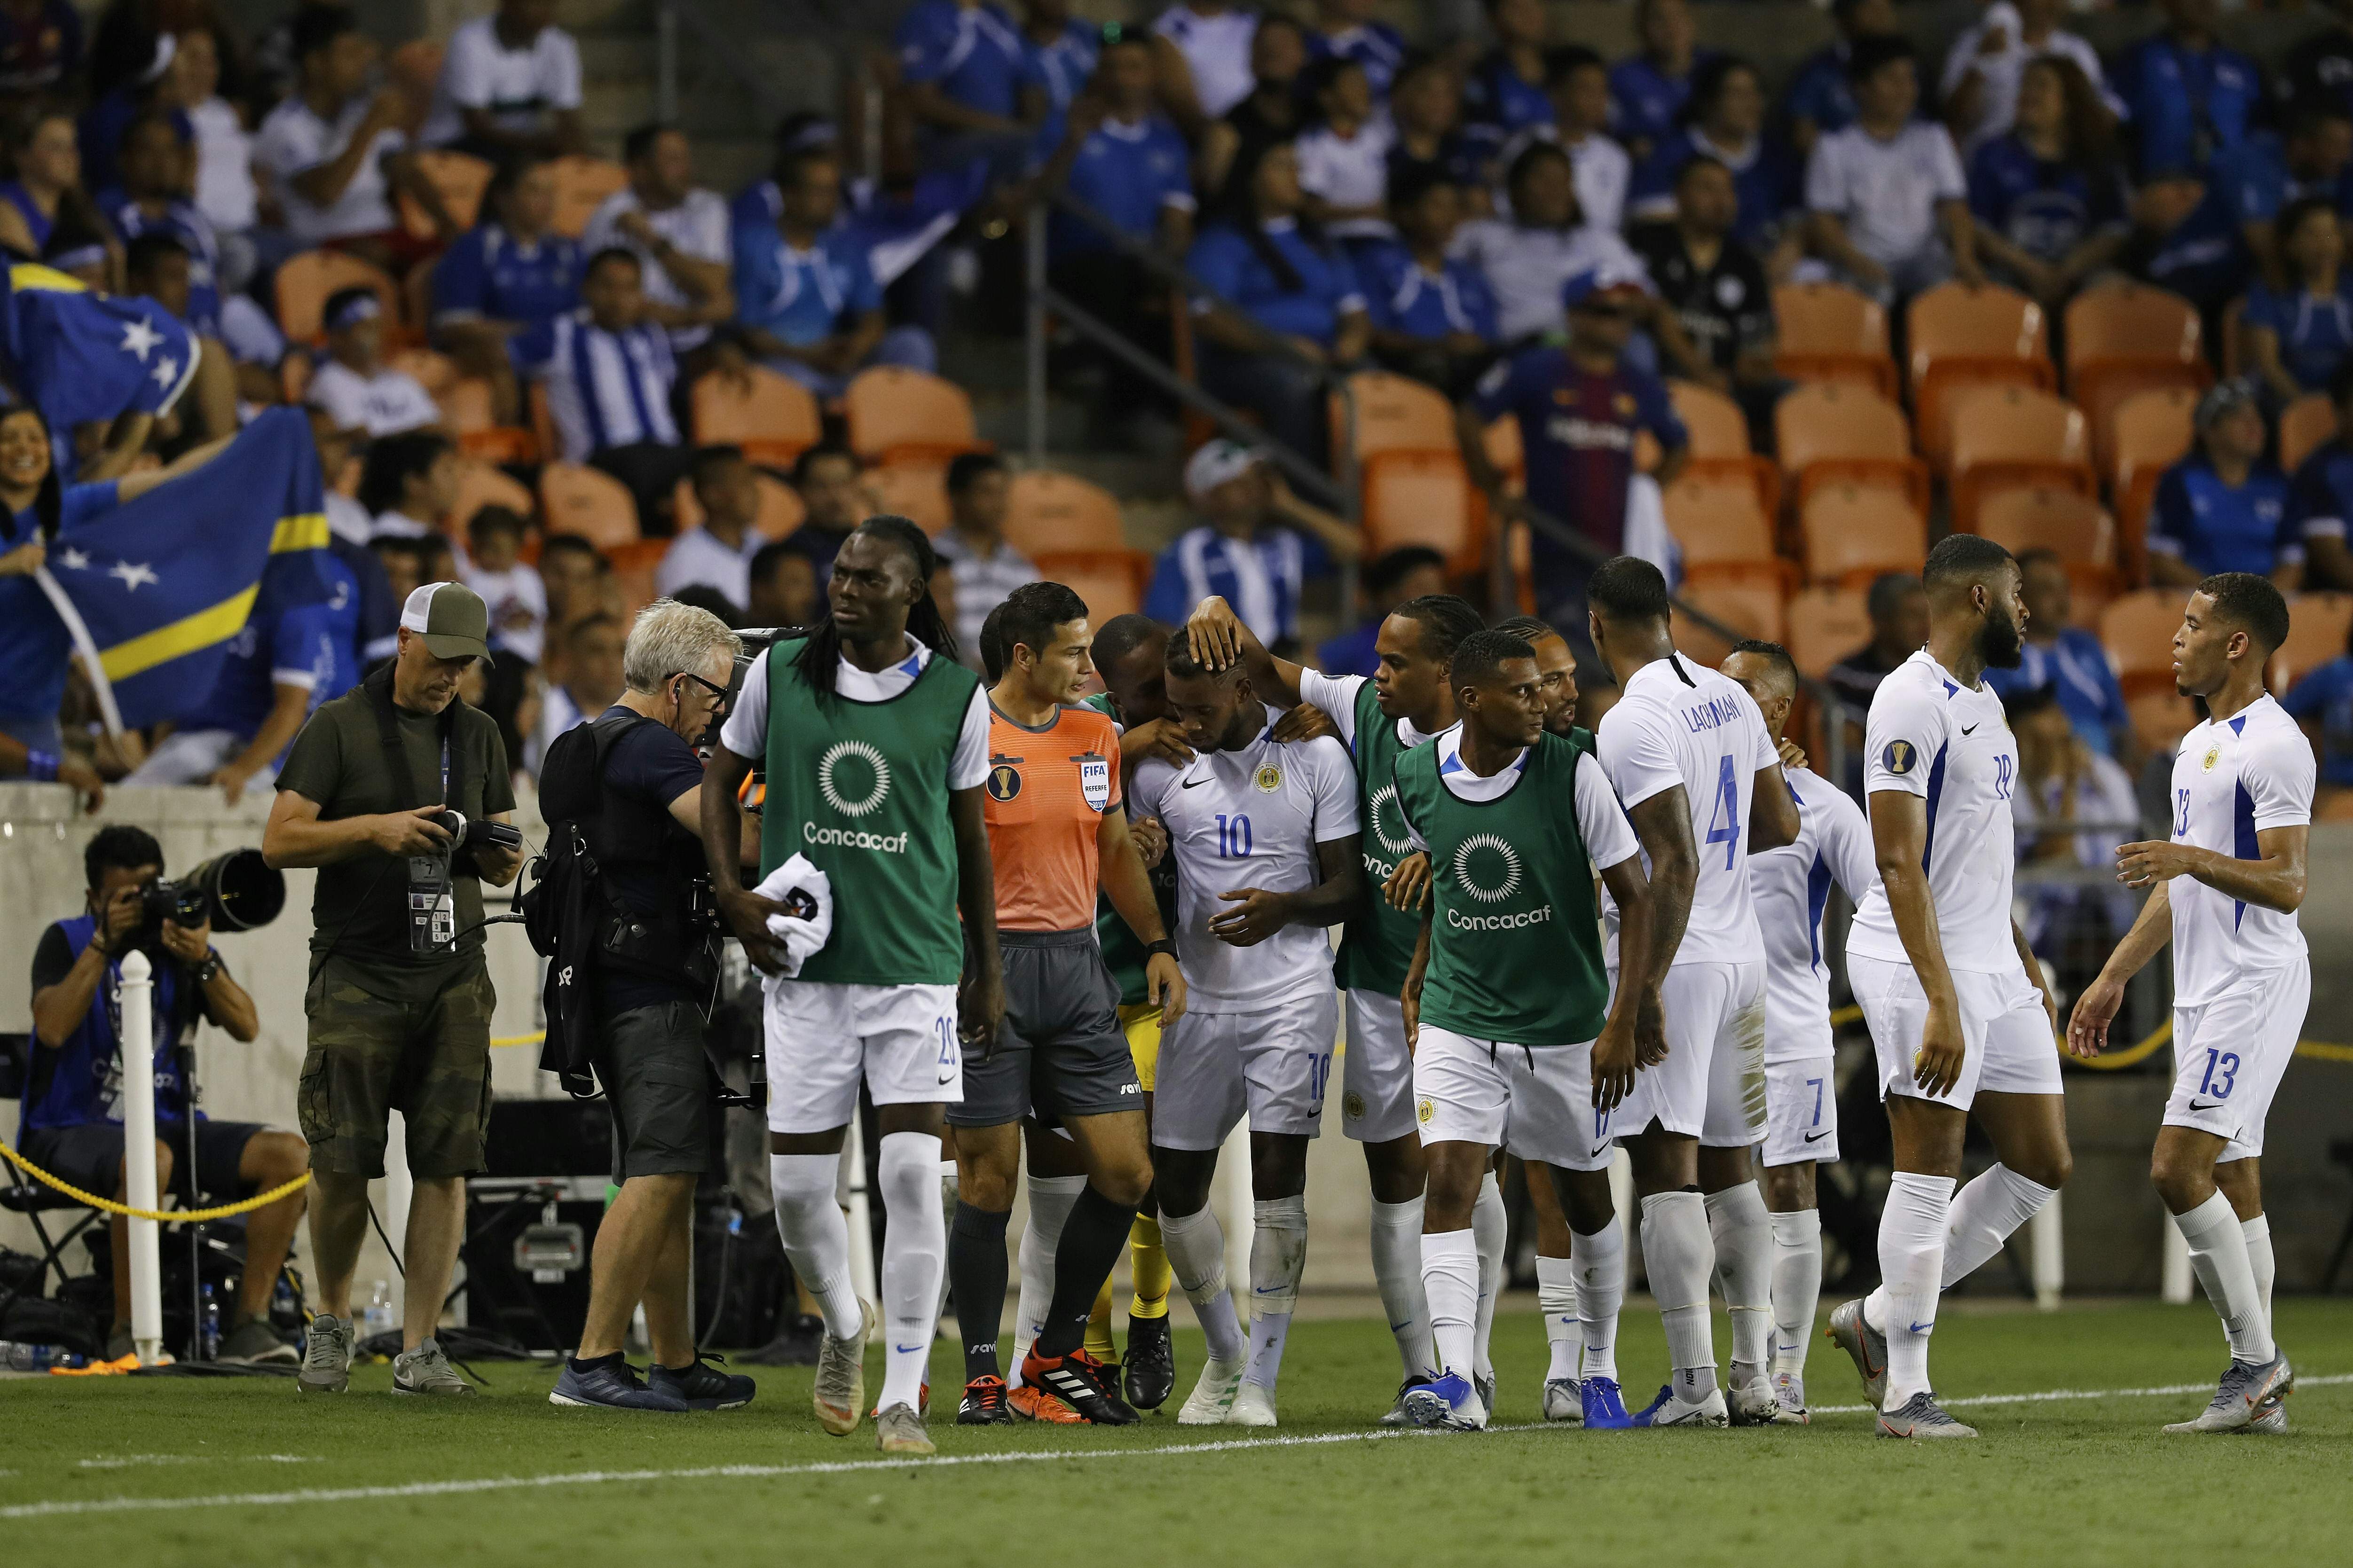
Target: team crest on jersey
1495	888
859	788
1268	778
1004	782
1351	1106
1425	1110
1094	781
1901	757
2214	755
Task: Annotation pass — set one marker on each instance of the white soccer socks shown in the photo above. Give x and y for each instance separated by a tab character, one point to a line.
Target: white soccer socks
914	1254
1599	1264
1911	1270
1556	1295
1197	1256
1278	1255
2217	1255
1680	1253
1743	1234
1491	1226
1984	1215
1450	1278
815	1236
1396	1270
2258	1232
1050	1201
1797	1287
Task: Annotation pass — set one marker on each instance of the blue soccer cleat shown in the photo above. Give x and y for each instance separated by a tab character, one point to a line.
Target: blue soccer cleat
1604	1406
1449	1405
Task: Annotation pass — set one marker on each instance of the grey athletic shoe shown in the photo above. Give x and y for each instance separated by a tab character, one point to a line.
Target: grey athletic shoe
840	1398
1564	1401
1920	1416
2238	1397
899	1430
426	1370
2270	1419
1486	1387
327	1362
254	1343
1750	1400
1850	1330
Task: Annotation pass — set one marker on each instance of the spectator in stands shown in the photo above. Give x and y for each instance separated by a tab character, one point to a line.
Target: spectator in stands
1719	292
2185	239
1059	57
2223	508
504	279
717	553
1648	90
1505	92
2265	172
1890	207
223	186
2321	66
2321	703
153	199
1426	110
580	584
1209	46
2068	659
608	373
408	484
1579	407
986	568
678	231
2189	99
1898	607
961	62
40	48
1578	82
336	444
510	83
1529	255
784	586
335	152
1346	29
834	501
1727	126
2298	338
805	297
513	592
2046	195
2321	498
589	683
1257	545
160	87
1434	317
1820	99
1391	578
72	1110
1272	114
84	255
2071	921
353	383
47	189
1292	309
159	267
1344	156
1985	63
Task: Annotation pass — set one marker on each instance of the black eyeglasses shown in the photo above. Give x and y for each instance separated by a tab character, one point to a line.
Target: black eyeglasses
718	693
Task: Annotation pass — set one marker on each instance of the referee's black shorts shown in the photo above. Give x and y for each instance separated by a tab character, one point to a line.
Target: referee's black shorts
1062	1052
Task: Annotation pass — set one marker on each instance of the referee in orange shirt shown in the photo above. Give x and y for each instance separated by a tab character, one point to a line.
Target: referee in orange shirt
1056	831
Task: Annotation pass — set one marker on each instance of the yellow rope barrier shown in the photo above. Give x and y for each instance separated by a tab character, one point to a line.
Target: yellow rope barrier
163	1217
531	1039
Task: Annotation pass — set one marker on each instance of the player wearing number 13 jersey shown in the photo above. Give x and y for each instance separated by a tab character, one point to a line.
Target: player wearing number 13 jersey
2227	888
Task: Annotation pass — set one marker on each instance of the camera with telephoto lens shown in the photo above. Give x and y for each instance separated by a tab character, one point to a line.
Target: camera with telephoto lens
236	891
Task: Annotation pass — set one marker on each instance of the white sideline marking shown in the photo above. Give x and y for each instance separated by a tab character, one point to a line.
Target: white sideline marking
839	1466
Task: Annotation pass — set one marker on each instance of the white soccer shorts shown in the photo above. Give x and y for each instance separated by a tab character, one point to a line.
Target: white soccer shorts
1801	1112
2009	1046
1712	1084
1272	1064
1534	1100
1376	1070
2229	1054
823	1040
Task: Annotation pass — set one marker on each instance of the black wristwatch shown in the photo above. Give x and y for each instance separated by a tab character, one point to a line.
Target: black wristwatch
1162	946
210	967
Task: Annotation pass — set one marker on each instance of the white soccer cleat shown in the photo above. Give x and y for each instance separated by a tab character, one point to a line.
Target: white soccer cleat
2240	1398
1921	1416
1850	1330
1671	1409
1564	1401
1212	1399
1253	1405
1790	1400
1751	1401
2270	1419
1450	1405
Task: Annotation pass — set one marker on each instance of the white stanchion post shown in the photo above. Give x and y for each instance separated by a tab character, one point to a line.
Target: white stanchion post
138	1048
862	1273
2173	1277
2050	1256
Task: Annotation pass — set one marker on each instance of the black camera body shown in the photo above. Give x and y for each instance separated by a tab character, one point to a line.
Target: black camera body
236	891
462	832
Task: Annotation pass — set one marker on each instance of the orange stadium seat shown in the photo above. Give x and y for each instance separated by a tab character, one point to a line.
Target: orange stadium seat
1111	581
2305	425
771	416
459	179
1751	609
467	413
1825	625
306	280
2138	630
2013	436
436	372
1725	533
2043	517
1854	532
2124	338
1394	414
1827	331
1958	337
894	413
1719	442
1830	432
634	564
1046	512
2160	717
588	503
479	484
2317	628
2150	434
1424	501
582	184
914	489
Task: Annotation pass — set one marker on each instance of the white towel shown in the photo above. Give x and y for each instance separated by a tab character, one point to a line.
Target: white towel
802	885
1647	534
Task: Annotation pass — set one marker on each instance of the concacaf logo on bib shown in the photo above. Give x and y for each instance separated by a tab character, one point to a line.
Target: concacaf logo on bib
1094	781
1487	893
1381	809
1268	778
837	784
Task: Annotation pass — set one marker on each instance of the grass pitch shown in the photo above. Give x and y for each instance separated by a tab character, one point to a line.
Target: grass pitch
240	1471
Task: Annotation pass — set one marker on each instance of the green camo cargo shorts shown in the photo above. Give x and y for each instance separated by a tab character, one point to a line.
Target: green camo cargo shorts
386	1037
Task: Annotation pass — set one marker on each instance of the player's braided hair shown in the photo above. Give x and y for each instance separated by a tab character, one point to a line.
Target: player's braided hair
1445	620
820	658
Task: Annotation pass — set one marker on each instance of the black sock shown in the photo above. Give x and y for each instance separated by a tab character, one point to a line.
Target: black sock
1091	1240
976	1275
594	1362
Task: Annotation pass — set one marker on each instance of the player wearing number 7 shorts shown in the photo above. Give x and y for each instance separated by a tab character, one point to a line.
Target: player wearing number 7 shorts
2226	889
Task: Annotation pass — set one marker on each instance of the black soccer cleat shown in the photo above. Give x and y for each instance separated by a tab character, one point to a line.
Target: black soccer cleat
1151	1375
984	1403
1088	1388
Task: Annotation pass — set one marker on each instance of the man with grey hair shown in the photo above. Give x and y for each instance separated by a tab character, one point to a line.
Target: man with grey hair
630	784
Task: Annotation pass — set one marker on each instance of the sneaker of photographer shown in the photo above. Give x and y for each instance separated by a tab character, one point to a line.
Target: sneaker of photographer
426	1370
254	1343
327	1362
797	1343
703	1385
608	1383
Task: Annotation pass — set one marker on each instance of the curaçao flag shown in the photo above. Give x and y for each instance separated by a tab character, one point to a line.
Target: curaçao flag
77	355
153	591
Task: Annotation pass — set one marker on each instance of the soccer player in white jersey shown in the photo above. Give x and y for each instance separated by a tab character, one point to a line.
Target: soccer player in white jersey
1691	758
1405	702
1265	836
1959	1014
2225	887
1792	887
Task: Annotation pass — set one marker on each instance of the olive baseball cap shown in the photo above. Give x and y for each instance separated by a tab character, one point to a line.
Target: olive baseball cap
453	619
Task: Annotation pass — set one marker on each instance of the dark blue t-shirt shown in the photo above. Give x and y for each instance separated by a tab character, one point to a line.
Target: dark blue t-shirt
2216	527
1645	101
1820	92
1498	103
80	1081
490	273
1225	259
2314	330
2186	107
650	767
2046	209
1577	431
2326	696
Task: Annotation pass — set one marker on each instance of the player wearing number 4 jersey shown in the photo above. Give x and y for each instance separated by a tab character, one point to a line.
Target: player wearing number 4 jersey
1264	832
1380	719
1959	1014
1689	755
2226	887
1792	888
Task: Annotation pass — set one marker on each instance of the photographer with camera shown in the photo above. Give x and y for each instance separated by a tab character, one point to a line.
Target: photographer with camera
630	785
399	792
73	1106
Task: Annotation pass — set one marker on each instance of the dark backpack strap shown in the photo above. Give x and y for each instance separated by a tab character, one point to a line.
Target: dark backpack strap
378	687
